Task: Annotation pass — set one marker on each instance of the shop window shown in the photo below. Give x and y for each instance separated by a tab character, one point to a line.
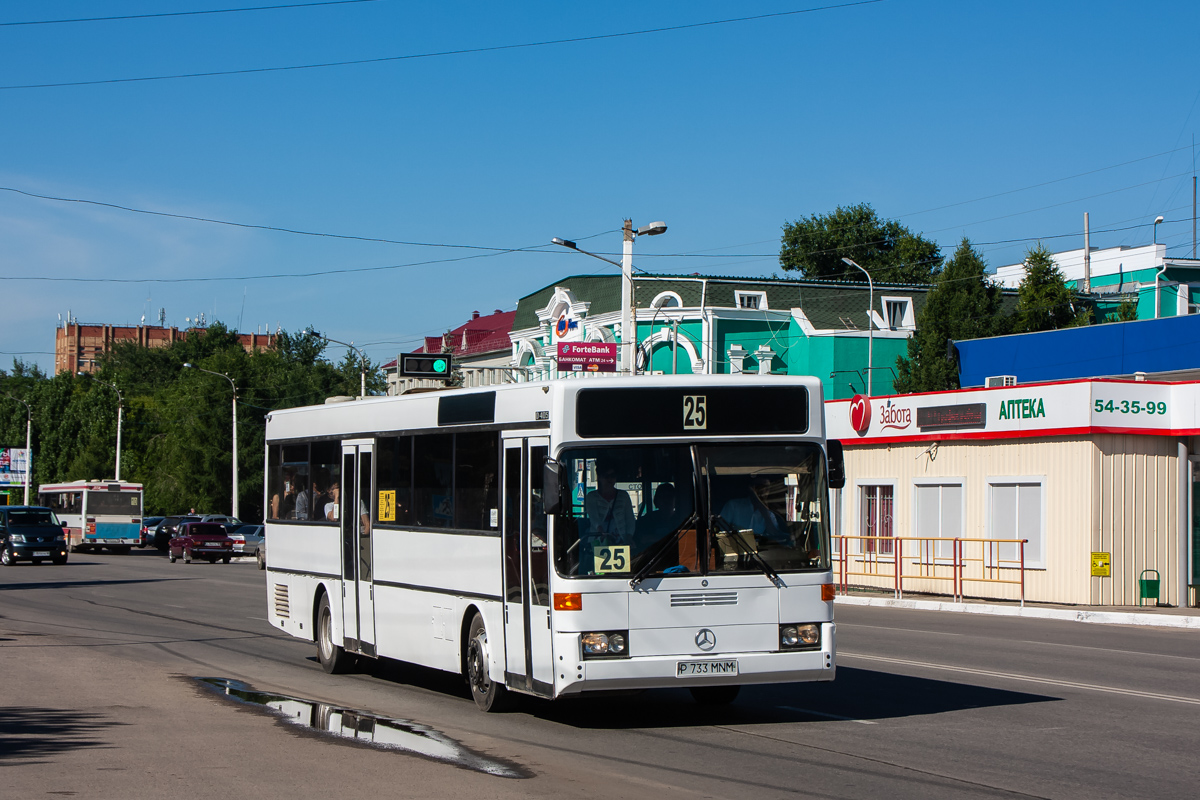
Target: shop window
876	520
939	518
1015	512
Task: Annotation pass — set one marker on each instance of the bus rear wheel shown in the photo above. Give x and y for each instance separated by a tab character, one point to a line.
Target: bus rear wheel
334	659
715	695
487	694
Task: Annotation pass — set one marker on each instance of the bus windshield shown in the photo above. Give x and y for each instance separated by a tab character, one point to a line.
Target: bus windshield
101	501
667	510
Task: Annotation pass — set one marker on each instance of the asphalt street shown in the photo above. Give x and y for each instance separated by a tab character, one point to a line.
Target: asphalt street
98	698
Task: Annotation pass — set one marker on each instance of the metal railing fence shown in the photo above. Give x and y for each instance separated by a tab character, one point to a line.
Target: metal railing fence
937	563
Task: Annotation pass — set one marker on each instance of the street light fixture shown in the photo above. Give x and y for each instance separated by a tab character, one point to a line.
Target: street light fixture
120	412
628	334
235	453
362	372
870	318
1157	221
28	443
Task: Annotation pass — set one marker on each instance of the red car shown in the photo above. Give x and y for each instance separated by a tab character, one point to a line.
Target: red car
206	540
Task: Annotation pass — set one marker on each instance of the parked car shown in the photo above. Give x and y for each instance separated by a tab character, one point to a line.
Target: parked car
261	555
148	526
167	528
206	540
246	539
33	533
221	518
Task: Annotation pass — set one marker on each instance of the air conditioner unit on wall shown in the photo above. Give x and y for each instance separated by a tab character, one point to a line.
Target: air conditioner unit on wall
1000	380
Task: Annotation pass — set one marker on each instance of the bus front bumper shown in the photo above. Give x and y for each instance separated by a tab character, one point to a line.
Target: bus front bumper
650	672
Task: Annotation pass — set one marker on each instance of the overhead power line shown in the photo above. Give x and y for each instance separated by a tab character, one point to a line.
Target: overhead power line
444	53
181	13
251	226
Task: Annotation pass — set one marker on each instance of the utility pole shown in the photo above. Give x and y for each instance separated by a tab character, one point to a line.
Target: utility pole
1087	256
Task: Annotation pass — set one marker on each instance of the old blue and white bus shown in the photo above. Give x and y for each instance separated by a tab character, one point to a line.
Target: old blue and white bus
561	537
97	514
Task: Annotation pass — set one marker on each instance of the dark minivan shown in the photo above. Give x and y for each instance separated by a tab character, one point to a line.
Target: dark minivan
31	533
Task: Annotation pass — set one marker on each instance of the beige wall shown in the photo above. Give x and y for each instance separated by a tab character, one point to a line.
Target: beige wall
1112	493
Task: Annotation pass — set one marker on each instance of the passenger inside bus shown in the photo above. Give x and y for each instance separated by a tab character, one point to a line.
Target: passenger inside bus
608	509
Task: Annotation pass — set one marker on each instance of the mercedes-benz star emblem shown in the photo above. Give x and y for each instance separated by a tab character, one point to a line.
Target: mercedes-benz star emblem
706	640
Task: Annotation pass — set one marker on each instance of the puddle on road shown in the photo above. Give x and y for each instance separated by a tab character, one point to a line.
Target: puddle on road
380	732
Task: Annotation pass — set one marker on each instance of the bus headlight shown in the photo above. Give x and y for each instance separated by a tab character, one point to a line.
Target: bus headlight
800	637
17	538
607	644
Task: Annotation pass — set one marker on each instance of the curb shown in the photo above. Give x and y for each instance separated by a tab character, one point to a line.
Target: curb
1188	621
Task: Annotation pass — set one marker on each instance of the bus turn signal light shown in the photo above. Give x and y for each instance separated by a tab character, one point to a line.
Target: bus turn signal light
568	601
827	592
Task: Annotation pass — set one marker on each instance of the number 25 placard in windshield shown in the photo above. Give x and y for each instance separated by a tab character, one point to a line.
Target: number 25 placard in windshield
611	558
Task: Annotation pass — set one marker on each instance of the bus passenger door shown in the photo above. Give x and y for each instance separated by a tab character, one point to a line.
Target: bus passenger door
358	571
527	640
514	569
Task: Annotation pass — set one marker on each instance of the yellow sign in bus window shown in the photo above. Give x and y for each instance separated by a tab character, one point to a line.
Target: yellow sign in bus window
611	558
387	505
1101	565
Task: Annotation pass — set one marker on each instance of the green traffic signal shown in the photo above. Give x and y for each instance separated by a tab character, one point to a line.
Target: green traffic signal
439	365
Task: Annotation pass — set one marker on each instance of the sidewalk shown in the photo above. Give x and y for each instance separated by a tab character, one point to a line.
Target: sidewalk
1156	616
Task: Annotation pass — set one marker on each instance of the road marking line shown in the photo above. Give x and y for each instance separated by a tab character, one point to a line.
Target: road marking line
1029	678
889	628
829	716
1110	650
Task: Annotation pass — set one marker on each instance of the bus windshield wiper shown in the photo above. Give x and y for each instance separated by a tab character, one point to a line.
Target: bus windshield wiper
720	522
658	554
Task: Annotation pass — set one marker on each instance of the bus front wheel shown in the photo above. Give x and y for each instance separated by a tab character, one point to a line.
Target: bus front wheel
487	694
334	659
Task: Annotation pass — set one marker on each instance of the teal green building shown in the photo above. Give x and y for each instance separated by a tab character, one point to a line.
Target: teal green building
689	324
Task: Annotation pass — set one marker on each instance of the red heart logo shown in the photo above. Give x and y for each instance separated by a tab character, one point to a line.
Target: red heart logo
860	413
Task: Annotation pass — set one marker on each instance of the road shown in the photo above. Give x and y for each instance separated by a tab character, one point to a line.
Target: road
97	660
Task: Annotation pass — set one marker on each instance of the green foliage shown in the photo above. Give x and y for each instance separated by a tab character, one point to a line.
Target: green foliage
1128	311
1044	303
888	250
962	305
178	423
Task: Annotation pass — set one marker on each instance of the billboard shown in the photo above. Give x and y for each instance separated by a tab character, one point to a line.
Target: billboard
587	356
14	465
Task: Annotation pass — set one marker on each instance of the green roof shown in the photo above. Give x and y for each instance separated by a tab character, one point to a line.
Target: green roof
827	304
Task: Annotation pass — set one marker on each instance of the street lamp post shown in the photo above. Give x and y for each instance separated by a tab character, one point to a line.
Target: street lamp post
870	318
1161	270
235	453
628	334
362	364
120	413
28	443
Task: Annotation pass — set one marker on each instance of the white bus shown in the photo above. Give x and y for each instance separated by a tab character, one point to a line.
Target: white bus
96	514
561	537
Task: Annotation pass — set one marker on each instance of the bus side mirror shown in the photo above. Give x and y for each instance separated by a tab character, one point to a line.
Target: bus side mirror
837	464
551	486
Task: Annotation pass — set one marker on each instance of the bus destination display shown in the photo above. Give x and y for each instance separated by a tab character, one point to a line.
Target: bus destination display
692	411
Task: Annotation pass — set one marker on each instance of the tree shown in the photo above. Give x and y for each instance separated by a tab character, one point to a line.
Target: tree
963	304
1044	303
888	250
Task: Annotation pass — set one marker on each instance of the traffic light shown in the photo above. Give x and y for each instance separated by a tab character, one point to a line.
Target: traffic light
424	365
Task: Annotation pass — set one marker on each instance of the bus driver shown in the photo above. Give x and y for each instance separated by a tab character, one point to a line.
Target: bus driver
609	510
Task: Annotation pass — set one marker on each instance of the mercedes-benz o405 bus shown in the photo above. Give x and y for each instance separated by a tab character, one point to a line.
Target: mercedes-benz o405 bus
96	514
562	537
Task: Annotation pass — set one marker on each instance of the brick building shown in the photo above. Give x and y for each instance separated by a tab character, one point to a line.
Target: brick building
78	346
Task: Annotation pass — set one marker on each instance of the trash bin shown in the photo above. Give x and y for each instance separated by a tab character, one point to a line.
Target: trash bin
1148	587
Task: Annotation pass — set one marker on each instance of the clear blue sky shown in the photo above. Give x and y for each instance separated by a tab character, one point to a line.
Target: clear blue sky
726	132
